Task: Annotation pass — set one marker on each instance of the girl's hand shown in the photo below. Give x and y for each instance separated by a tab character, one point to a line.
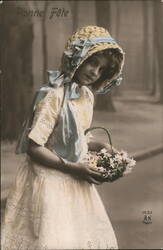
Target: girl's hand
90	174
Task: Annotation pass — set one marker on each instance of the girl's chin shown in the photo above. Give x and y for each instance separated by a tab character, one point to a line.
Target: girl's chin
85	82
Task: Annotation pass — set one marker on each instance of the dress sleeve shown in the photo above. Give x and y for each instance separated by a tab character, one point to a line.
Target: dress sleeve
45	116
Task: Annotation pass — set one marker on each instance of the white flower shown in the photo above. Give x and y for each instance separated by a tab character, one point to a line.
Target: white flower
131	163
124	154
104	151
111	161
118	158
101	169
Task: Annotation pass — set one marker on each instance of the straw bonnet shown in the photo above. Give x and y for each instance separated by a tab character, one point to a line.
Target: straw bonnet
85	34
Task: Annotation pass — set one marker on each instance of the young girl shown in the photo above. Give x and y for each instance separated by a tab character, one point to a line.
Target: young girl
53	203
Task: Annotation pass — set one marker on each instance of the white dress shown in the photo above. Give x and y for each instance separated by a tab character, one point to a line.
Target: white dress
47	209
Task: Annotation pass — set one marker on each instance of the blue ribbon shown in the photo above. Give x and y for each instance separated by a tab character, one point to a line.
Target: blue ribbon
69	146
79	48
72	88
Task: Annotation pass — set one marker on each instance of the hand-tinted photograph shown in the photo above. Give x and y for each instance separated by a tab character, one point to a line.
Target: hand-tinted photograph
81	131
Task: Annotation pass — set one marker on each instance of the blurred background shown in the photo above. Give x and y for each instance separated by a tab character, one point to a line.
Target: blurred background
33	36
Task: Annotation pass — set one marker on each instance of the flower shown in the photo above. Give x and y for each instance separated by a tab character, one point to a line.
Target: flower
124	154
132	163
115	165
104	150
118	158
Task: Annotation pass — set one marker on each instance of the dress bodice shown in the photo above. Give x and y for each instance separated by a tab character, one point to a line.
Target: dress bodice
45	127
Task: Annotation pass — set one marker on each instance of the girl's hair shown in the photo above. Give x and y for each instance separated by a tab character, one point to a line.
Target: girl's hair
114	58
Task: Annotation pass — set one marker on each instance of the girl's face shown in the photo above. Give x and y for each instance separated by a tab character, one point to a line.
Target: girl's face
91	69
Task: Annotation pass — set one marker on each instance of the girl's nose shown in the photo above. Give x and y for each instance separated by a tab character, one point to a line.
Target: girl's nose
95	71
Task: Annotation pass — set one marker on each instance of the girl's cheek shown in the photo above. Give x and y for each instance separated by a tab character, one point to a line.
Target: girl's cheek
90	68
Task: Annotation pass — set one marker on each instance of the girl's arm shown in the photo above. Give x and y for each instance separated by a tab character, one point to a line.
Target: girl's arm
47	158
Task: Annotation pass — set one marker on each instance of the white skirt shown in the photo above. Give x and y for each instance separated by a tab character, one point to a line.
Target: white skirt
48	209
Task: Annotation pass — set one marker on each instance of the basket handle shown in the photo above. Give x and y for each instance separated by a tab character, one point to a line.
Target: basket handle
106	130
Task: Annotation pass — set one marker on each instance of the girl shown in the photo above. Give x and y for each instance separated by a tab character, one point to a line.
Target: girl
53	203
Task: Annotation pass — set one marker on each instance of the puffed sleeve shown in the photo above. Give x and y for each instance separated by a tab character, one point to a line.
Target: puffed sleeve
45	117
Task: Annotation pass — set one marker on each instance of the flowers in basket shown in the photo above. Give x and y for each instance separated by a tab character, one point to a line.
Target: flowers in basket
114	165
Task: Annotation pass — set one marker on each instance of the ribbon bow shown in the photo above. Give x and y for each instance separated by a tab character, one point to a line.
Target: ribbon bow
56	79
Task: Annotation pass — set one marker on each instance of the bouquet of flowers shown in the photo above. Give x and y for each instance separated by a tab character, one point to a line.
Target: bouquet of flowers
114	164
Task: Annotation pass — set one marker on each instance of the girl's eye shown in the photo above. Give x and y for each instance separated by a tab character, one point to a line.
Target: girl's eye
103	69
